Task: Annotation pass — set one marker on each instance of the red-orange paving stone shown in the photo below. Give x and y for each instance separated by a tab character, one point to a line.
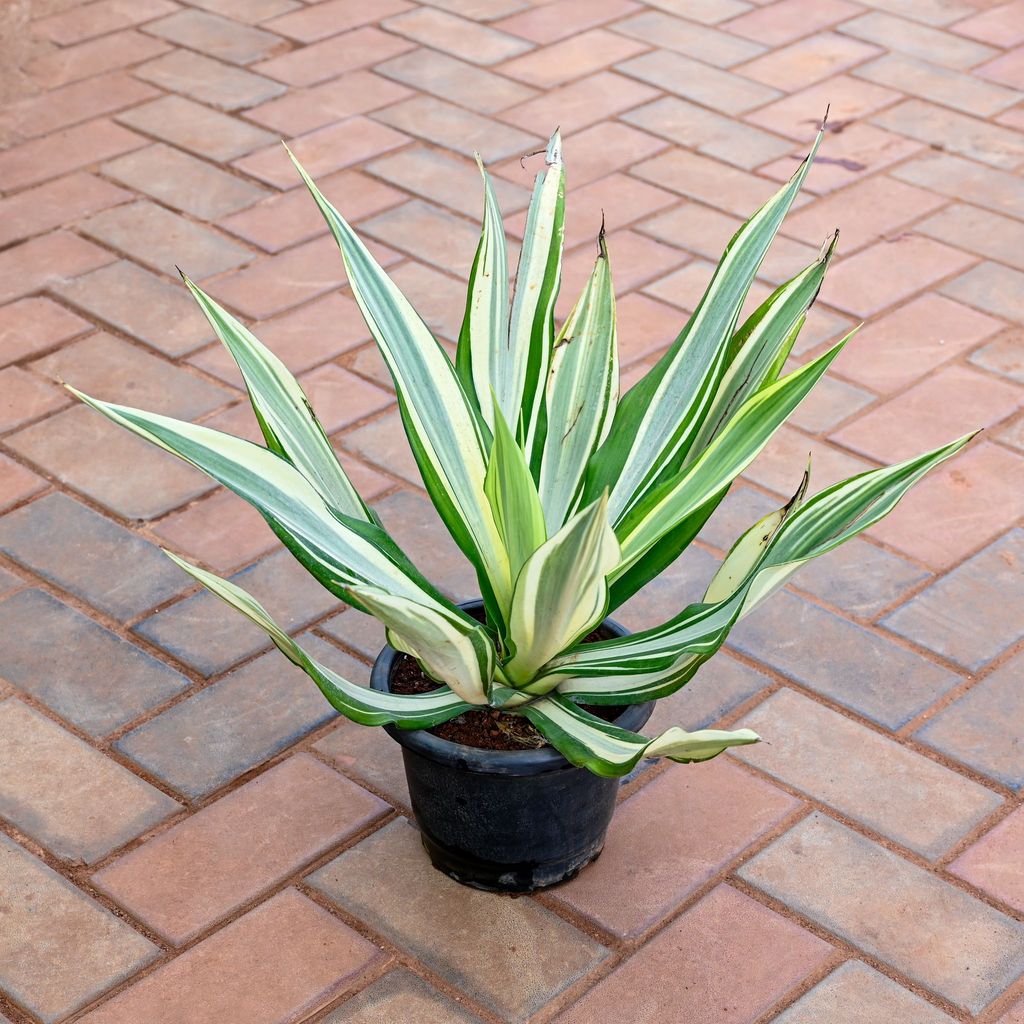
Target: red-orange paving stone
899	347
17	482
890	271
322	151
54	204
547	23
222	531
72	104
45	261
953	402
204	868
995	863
279	963
33	325
727	958
25	397
52	155
657	854
285	220
780	22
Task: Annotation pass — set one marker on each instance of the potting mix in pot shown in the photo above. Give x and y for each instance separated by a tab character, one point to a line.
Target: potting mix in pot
518	713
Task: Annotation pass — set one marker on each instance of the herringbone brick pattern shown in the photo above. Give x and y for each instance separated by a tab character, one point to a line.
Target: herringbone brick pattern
189	835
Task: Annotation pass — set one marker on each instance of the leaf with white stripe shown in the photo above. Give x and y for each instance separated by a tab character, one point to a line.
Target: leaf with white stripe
749	550
523	369
289	425
562	592
339	551
658	419
590	742
655	662
732	450
484	335
763	344
449	648
582	390
362	705
513	496
445	431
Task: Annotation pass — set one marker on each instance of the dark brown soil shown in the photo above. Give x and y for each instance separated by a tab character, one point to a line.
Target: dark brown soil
487	728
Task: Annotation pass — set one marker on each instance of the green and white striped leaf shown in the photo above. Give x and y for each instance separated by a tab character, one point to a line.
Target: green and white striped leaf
838	513
289	425
562	592
339	551
748	551
444	428
658	419
604	748
512	493
763	345
655	662
582	391
483	340
449	648
732	450
362	705
523	368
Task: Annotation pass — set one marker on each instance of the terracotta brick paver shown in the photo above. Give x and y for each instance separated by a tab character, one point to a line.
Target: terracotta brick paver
188	833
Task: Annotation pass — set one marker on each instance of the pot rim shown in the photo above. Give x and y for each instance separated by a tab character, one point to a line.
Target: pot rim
479	759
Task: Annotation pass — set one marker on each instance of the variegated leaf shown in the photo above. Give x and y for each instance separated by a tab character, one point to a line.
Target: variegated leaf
562	592
732	450
337	550
658	419
523	370
289	425
513	496
483	340
444	428
582	390
362	705
450	649
590	742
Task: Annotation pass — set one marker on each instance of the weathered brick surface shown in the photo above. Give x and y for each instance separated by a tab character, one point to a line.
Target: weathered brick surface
222	731
918	924
70	798
136	136
208	865
465	936
59	949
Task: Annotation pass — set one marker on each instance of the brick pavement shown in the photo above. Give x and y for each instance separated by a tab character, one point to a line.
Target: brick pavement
189	835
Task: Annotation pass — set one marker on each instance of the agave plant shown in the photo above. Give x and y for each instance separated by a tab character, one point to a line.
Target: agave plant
565	499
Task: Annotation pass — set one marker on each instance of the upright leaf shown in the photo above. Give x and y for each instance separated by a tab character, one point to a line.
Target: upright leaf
658	419
764	343
289	425
523	368
444	429
512	493
582	390
655	662
562	591
722	461
483	339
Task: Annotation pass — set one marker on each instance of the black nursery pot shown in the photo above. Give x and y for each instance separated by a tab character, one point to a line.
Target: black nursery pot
505	820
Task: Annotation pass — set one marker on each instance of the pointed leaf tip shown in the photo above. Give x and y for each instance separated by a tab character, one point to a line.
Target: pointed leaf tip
553	153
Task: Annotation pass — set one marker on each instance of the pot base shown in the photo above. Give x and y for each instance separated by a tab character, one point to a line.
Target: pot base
513	879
